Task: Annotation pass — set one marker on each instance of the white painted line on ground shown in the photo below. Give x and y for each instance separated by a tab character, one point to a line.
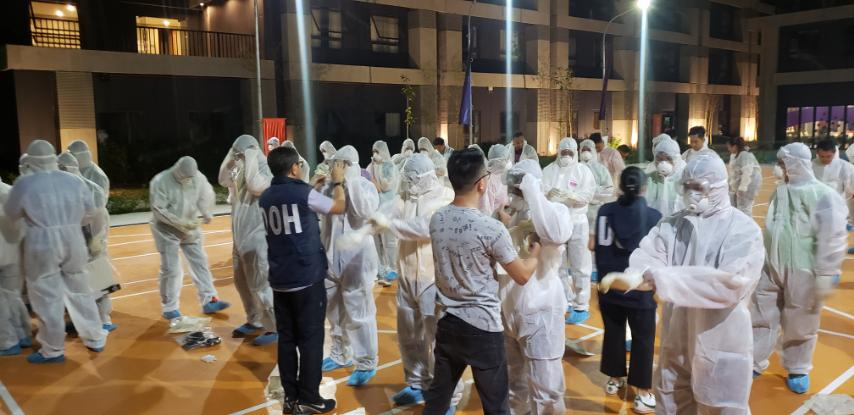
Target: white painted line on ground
255	408
387	331
158	253
588	336
158	279
761	204
134	235
835	333
9	401
152	240
804	409
381	367
839	312
588	327
118	297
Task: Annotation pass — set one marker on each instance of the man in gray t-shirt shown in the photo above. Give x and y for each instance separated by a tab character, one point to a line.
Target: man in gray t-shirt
466	246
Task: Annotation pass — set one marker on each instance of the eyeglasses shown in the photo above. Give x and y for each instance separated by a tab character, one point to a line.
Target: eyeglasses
483	177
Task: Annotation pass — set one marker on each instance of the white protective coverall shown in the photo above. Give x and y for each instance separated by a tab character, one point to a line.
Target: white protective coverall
327	150
745	179
425	146
386	178
178	196
613	161
806	240
839	175
351	309
528	153
651	167
496	188
14	317
664	186
88	168
273	143
691	153
406	151
534	334
96	227
704	264
305	169
417	315
245	172
53	204
441	166
604	182
569	182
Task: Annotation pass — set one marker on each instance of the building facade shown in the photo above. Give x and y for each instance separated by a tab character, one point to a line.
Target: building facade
143	81
807	75
702	61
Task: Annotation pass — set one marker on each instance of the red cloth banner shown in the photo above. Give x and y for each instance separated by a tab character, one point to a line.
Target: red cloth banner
273	127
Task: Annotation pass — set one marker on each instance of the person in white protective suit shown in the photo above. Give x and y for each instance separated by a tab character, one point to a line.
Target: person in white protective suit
651	167
806	240
351	310
474	146
425	146
496	188
569	182
385	176
53	204
529	153
519	149
15	329
609	157
417	314
534	313
406	151
178	196
663	190
698	142
245	173
745	176
836	173
703	262
327	150
273	143
604	184
303	164
88	168
441	166
96	227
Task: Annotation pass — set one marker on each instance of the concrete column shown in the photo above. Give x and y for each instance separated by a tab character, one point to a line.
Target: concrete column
36	109
539	112
75	100
422	50
294	100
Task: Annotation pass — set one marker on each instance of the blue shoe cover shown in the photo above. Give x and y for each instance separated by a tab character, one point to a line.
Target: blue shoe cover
265	339
451	410
361	377
329	365
594	276
577	317
171	315
408	396
213	307
36	357
27	342
110	327
799	384
390	276
12	351
244	331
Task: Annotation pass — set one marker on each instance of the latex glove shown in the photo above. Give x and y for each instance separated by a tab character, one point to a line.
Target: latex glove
96	246
555	195
623	281
824	285
190	225
532	246
379	221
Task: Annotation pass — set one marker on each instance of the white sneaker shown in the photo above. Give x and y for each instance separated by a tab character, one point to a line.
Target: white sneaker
613	386
384	282
644	404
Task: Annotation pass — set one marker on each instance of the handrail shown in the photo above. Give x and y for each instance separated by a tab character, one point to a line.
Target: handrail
55	33
186	42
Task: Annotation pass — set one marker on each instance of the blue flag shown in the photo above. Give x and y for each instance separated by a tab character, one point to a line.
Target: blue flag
465	105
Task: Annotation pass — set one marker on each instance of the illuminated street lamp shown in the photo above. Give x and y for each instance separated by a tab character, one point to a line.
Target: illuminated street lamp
642	6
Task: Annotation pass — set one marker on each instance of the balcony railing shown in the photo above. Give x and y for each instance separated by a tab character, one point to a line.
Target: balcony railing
55	33
183	42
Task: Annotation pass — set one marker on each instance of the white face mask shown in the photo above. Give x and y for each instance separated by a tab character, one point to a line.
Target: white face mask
564	161
517	203
696	202
664	168
377	158
407	152
586	156
779	173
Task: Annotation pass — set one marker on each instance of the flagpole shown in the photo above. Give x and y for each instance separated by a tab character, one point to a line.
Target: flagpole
471	97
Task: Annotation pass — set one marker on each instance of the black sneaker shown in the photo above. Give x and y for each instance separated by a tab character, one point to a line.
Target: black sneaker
322	407
288	406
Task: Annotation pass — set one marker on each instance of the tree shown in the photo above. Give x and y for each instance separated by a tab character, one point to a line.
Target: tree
408	92
561	79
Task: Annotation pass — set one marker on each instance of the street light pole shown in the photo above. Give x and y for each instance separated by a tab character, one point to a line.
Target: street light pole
602	109
644	6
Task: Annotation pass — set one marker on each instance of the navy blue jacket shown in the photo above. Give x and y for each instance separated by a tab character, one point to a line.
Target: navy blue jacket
619	231
294	250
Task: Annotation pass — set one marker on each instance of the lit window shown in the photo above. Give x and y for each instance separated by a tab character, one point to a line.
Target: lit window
385	34
792	122
54	25
516	50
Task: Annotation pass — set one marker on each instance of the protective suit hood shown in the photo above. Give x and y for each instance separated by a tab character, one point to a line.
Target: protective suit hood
528	167
245	142
80	150
420	175
273	142
186	168
567	143
659	138
408	144
712	171
327	149
590	146
497	161
425	145
67	162
41	156
382	148
439	163
350	155
797	158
